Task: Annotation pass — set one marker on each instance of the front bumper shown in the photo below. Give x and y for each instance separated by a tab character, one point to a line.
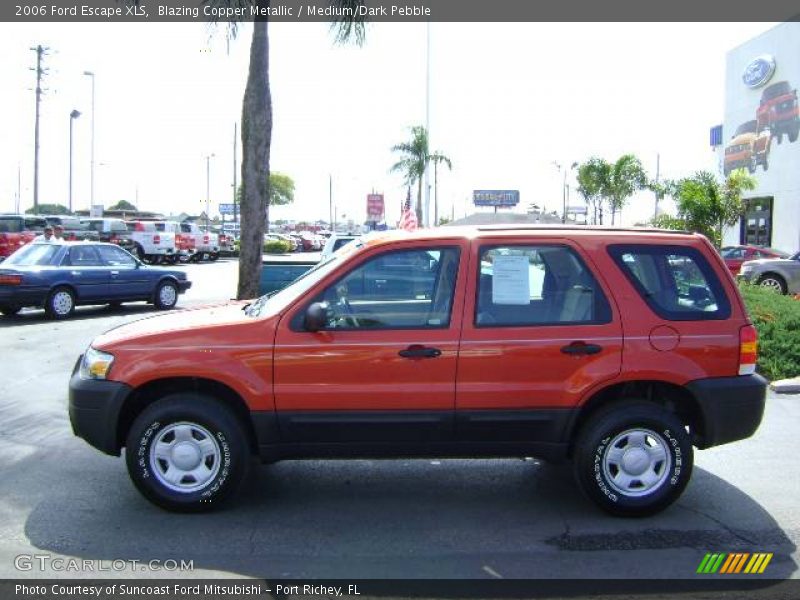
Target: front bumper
731	407
94	409
183	286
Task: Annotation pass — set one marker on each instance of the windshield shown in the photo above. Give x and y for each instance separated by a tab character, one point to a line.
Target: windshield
33	254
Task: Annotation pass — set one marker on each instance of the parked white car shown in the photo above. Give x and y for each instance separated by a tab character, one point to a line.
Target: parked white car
151	244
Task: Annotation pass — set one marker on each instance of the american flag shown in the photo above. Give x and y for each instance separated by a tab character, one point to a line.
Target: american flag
408	218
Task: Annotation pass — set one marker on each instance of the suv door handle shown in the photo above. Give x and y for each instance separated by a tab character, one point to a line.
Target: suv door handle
419	351
576	348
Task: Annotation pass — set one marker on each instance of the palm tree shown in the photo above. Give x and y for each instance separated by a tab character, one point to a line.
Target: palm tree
625	177
257	129
436	158
414	159
592	176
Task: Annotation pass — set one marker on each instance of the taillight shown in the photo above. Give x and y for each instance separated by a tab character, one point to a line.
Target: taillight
156	239
114	239
748	350
10	279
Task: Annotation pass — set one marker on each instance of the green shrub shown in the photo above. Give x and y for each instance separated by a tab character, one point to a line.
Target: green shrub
277	247
777	319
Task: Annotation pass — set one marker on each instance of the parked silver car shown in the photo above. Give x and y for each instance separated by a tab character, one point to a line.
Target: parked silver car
779	274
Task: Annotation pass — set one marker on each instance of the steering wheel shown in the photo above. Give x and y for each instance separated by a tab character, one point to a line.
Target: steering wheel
346	312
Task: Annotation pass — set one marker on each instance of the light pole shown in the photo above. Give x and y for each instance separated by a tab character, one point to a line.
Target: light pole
91	181
564	187
208	190
72	116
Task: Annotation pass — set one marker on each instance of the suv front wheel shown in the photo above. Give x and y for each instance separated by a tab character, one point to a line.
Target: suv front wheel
187	453
633	459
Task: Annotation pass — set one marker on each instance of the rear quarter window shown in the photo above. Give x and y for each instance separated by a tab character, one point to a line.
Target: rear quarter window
676	282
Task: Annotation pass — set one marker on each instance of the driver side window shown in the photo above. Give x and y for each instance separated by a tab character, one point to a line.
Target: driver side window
396	290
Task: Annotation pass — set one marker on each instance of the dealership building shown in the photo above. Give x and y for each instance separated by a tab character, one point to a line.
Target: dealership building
761	133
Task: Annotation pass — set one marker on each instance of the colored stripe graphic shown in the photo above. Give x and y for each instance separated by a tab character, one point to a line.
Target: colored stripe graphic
730	564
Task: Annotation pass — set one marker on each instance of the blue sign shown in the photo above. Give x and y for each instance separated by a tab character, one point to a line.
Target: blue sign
759	71
226	209
495	197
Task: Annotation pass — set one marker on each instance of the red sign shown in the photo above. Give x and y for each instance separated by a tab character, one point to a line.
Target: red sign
374	207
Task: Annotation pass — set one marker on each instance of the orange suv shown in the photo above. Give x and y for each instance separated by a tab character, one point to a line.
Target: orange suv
616	349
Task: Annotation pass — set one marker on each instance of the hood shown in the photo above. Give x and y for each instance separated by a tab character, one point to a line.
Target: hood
183	327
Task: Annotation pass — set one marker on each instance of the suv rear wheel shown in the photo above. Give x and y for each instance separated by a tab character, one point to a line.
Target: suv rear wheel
187	453
633	459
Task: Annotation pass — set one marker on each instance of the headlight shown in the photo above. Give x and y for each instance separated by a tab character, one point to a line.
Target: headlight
96	364
745	269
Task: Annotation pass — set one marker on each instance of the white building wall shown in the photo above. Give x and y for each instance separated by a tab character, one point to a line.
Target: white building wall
782	179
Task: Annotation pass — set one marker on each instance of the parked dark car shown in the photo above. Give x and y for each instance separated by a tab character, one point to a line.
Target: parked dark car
58	277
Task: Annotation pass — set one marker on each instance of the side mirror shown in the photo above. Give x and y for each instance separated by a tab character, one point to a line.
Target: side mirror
316	317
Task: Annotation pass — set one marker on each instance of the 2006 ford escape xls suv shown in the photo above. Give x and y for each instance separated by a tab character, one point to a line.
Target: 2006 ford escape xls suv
616	349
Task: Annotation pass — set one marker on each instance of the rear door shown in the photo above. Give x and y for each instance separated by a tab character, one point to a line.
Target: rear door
383	369
539	332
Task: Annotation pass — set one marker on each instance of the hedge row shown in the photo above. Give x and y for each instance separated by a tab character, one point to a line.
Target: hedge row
777	319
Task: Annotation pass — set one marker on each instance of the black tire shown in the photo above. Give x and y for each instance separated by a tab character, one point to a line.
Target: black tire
793	134
60	303
166	296
773	282
615	430
9	310
139	251
214	439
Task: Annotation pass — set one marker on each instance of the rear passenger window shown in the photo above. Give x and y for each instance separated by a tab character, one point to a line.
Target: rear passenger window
537	285
677	282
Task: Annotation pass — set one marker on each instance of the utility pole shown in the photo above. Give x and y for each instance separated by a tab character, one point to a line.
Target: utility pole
235	133
427	207
91	181
658	168
40	52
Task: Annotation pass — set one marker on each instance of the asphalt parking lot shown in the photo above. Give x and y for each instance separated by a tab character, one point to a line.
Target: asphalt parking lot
359	519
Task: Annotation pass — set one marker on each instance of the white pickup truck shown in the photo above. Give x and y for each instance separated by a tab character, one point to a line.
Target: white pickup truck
206	244
154	242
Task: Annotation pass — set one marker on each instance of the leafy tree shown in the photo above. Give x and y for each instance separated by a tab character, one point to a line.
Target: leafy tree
625	177
706	205
257	129
281	192
592	176
122	205
50	209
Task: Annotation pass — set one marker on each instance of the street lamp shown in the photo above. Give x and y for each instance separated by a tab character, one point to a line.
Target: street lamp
91	181
564	187
72	116
208	189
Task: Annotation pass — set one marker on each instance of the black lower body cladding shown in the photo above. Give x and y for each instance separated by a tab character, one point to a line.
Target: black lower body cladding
731	407
94	408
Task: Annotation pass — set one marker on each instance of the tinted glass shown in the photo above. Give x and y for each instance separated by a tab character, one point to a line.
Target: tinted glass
33	254
396	290
677	283
84	256
10	224
732	252
537	285
115	257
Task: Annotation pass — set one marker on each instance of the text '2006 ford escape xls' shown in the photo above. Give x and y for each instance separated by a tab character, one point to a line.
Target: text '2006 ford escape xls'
619	350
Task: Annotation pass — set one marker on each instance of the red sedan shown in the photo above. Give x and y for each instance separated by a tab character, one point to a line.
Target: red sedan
734	256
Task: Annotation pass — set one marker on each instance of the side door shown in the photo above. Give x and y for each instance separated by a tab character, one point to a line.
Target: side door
539	332
383	368
88	273
126	278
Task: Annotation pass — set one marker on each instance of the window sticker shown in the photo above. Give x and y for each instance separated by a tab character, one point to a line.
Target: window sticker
510	285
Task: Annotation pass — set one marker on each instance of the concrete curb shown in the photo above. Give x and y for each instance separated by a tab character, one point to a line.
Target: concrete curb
786	386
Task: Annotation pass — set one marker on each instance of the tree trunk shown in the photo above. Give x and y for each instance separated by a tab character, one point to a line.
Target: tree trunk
419	202
256	140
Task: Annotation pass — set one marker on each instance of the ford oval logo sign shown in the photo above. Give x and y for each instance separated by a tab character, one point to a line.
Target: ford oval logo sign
759	71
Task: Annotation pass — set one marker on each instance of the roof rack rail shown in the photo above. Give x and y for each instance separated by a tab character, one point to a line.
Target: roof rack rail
554	227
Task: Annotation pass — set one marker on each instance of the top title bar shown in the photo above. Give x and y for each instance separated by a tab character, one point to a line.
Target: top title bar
142	11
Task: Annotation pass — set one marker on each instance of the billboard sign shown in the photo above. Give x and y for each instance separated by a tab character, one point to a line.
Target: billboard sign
375	207
226	209
495	197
